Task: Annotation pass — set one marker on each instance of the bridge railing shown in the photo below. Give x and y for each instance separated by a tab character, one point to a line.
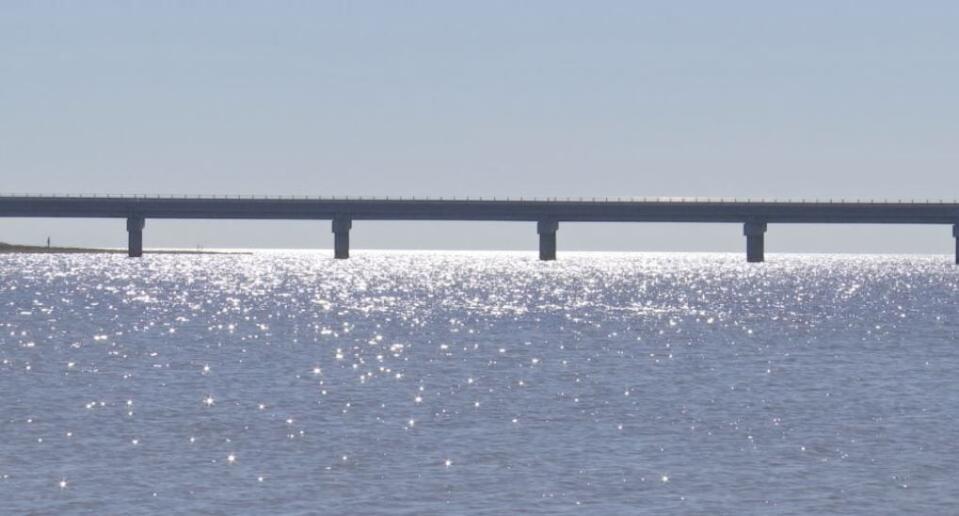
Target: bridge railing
606	199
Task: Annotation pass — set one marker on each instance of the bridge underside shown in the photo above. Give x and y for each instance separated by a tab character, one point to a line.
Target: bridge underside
754	232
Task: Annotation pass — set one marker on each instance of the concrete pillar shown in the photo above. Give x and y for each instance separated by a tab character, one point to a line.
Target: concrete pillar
341	237
135	236
955	234
755	241
547	239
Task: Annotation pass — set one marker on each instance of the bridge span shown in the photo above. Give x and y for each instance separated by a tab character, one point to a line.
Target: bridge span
754	215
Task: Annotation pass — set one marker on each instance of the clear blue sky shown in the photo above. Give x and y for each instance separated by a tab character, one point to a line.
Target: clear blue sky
749	99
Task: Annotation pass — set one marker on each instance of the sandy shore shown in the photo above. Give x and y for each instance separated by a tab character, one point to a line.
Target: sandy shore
36	249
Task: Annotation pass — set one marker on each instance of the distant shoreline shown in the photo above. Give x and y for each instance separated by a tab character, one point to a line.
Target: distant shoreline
38	249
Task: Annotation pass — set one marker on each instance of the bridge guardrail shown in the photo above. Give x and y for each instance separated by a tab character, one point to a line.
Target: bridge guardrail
605	199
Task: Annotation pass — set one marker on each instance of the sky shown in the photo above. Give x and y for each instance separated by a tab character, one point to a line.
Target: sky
750	99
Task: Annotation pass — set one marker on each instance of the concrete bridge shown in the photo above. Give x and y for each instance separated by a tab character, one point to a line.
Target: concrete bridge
754	215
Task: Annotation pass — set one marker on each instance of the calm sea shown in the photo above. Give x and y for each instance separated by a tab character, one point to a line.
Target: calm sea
488	383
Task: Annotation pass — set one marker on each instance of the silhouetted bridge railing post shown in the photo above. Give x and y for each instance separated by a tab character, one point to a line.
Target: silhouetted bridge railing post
547	214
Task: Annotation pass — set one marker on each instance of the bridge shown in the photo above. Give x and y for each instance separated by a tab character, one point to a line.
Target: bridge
754	215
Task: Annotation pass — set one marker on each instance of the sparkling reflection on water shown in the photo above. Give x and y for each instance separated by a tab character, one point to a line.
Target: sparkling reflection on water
479	382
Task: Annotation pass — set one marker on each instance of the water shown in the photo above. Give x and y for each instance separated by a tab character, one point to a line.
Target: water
406	383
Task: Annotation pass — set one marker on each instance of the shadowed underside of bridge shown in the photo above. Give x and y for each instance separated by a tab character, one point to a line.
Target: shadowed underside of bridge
547	214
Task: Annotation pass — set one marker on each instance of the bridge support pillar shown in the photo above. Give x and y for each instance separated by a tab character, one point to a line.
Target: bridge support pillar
547	239
955	234
755	233
135	236
341	237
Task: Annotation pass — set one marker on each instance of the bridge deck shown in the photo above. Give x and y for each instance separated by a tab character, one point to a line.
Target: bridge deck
567	210
547	213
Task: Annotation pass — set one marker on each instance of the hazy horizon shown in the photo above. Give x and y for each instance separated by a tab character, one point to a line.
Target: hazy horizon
573	237
743	99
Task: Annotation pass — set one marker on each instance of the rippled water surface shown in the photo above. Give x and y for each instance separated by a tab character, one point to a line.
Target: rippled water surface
479	383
